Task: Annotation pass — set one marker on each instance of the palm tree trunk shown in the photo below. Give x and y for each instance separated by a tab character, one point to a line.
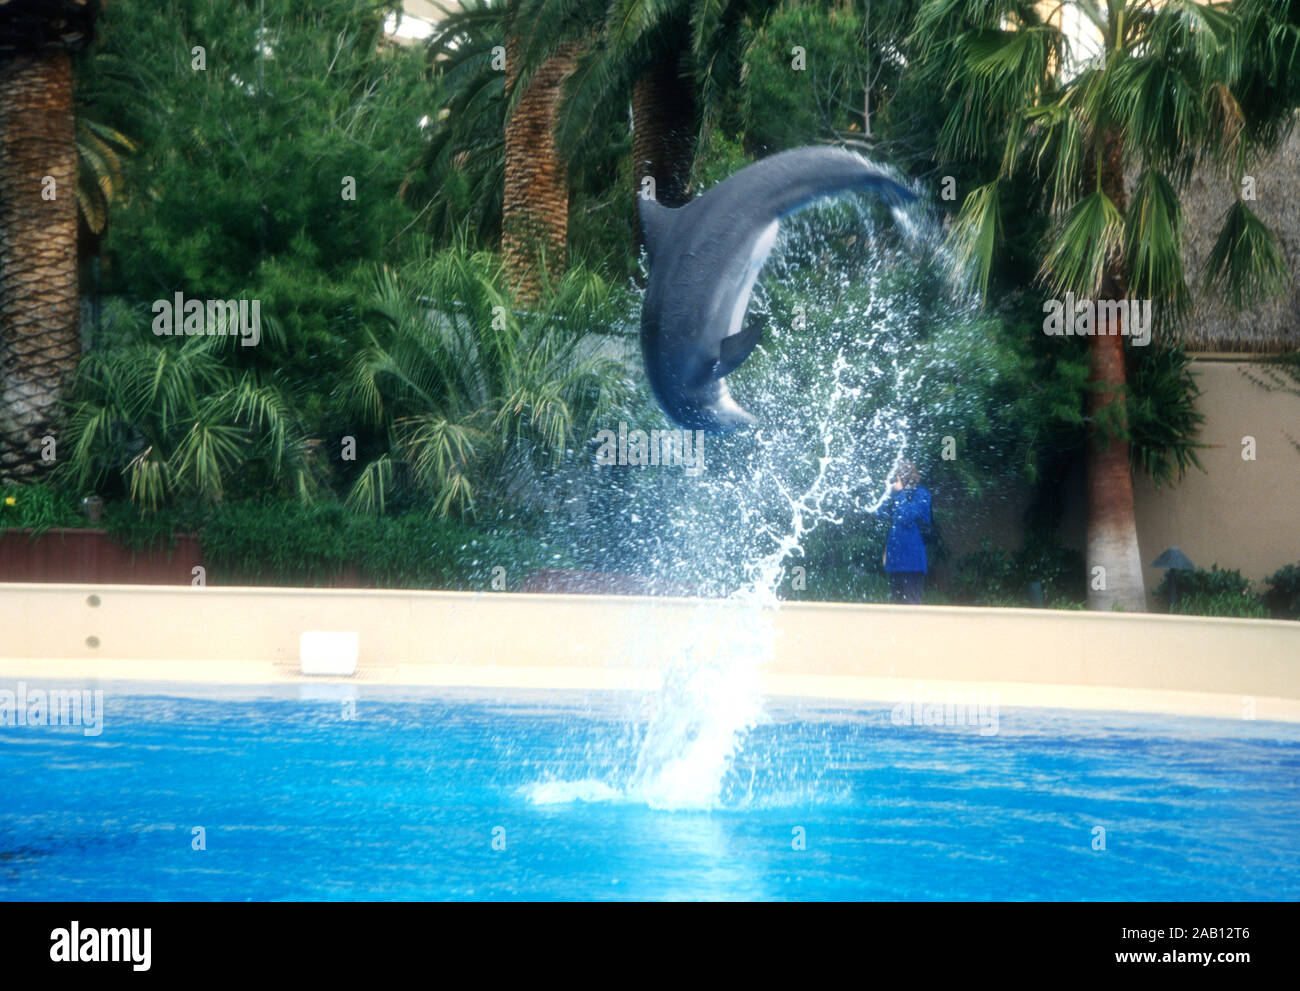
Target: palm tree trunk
535	207
1112	527
663	131
39	340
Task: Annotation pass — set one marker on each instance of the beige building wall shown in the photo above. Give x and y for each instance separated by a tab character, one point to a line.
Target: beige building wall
1238	513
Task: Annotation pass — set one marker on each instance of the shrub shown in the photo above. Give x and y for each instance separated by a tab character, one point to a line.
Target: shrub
1163	418
1216	592
1060	569
141	531
993	576
166	422
38	507
282	543
473	396
987	576
1283	595
842	564
839	583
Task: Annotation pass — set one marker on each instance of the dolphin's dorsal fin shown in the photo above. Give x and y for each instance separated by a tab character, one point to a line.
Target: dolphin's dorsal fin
735	349
656	221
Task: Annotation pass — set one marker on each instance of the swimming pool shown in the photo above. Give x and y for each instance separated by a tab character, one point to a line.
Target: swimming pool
354	792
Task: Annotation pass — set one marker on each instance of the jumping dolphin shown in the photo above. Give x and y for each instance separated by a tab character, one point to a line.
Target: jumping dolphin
704	259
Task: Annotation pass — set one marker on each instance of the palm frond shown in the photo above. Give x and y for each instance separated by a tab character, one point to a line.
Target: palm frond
1079	250
370	492
1246	262
977	234
1153	245
99	170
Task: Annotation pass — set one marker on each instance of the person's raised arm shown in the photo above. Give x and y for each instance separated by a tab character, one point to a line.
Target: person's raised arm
913	507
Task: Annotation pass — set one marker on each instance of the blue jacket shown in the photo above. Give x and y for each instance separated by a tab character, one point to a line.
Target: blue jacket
905	550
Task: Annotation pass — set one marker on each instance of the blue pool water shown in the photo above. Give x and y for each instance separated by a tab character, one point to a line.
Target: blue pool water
383	795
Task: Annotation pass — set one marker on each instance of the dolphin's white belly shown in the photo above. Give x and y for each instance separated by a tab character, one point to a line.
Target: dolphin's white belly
757	259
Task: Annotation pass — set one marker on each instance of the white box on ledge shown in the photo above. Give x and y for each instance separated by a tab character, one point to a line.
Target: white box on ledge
326	653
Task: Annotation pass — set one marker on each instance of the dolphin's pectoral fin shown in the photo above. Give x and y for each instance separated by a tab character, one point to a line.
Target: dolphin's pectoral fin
736	348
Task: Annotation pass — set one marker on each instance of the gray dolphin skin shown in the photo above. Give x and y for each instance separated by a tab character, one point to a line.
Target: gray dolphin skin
704	259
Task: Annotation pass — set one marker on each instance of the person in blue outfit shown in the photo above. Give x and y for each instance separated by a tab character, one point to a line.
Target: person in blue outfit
908	506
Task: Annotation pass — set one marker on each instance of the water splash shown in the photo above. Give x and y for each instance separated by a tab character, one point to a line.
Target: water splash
712	696
741	526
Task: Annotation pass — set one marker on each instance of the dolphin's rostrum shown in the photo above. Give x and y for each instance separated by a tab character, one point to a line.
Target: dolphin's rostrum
704	259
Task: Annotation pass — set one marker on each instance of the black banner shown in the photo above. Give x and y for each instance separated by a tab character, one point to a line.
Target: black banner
922	942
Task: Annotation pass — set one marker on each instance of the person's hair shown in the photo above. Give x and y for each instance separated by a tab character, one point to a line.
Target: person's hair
907	474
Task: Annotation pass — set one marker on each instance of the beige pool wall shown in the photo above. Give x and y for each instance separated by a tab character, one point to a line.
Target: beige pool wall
250	636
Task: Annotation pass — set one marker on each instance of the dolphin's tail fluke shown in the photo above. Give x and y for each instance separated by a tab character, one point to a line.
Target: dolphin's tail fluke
656	223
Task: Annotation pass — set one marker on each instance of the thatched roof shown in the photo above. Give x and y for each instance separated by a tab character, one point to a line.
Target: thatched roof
1213	325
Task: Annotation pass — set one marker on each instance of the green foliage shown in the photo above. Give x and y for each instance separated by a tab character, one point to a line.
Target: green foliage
993	576
842	564
285	543
603	223
852	60
1245	261
1228	604
235	189
1170	87
38	507
1163	418
142	531
1153	245
461	171
783	107
986	577
1061	570
717	158
1216	592
165	418
920	354
1283	595
472	395
1086	239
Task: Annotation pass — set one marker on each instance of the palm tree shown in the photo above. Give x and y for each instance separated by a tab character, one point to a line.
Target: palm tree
472	395
673	60
502	114
169	422
578	66
39	342
1163	86
535	200
664	127
637	53
582	63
